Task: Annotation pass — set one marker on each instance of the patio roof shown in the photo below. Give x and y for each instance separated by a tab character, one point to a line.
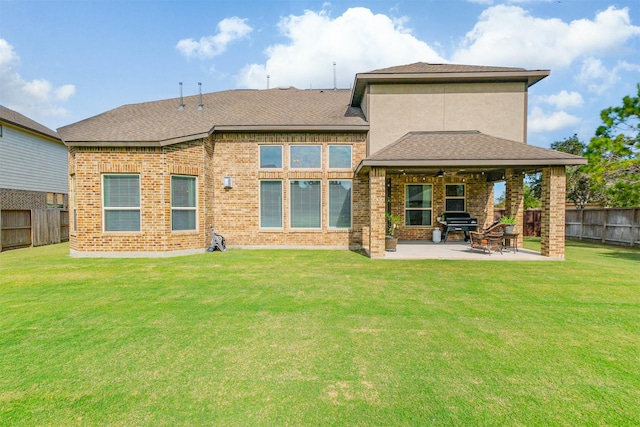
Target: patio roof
464	149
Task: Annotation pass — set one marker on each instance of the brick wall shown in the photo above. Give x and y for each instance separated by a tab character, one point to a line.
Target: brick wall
514	200
236	211
553	212
377	204
479	201
233	212
11	199
155	165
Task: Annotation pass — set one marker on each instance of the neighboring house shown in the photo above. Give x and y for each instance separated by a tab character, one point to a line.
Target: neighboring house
33	175
310	168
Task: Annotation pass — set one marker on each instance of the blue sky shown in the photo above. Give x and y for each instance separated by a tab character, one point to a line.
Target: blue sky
64	61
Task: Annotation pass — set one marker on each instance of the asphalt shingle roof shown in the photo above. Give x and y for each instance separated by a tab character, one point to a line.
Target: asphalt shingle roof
424	67
274	108
13	117
421	72
460	148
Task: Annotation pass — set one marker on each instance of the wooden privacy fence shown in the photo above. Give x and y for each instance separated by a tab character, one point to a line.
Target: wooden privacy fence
37	227
618	226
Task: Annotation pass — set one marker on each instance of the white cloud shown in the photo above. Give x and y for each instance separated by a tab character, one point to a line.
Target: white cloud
36	99
598	78
357	41
229	30
539	121
624	65
562	99
509	35
65	92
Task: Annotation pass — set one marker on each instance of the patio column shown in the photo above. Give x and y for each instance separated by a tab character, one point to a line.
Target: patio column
377	193
554	182
514	200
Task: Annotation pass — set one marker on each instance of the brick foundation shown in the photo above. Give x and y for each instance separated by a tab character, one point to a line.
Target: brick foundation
11	199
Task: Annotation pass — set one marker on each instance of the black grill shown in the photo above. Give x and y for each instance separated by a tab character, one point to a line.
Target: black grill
458	221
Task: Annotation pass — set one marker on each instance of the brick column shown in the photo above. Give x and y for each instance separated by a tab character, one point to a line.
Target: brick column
554	182
377	180
514	200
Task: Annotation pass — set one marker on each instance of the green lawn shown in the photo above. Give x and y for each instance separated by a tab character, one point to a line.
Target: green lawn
283	337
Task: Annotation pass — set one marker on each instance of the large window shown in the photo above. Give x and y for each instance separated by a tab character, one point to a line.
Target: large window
121	202
271	156
454	200
418	203
340	156
305	156
305	197
271	204
183	203
340	204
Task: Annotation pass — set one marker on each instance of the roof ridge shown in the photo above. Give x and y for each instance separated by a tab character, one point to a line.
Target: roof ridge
11	116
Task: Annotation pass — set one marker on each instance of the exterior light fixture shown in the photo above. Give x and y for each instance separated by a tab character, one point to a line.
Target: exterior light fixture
227	182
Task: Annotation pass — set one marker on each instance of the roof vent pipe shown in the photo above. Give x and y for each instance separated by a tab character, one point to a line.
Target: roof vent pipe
268	77
335	86
181	107
200	106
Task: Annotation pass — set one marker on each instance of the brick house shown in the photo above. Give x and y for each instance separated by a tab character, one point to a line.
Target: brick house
309	168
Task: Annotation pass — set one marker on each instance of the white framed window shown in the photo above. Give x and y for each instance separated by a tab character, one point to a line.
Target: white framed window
184	202
305	156
305	204
455	198
121	202
418	204
270	204
339	157
340	204
271	157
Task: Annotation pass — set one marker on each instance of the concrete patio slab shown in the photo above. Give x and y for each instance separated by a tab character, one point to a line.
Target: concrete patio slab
454	250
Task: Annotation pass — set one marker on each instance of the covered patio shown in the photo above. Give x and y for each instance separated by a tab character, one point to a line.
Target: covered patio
467	163
458	250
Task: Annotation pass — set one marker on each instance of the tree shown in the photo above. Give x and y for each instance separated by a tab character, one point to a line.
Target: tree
580	187
613	153
530	199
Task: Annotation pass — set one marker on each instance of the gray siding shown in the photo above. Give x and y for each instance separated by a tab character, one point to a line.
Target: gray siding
30	162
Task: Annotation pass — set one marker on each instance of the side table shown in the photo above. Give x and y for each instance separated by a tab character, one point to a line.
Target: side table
510	241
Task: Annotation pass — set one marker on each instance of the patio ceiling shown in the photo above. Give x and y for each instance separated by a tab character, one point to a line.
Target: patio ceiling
462	153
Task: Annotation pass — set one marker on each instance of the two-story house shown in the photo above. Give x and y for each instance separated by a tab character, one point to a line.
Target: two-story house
33	175
309	168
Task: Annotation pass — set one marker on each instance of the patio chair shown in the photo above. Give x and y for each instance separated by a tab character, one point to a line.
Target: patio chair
495	227
487	241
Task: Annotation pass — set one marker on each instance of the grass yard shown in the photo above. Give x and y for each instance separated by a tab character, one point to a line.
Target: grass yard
256	337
